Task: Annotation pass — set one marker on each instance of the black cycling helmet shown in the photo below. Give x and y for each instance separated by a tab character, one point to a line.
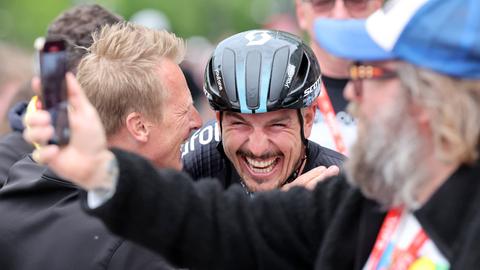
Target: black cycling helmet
259	71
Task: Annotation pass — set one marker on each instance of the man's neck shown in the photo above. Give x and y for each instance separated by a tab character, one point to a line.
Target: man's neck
437	174
122	140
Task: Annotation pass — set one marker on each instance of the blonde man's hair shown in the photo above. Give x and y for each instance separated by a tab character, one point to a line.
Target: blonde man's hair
454	110
120	72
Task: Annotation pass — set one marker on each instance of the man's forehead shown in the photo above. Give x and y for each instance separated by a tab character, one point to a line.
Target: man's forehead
268	116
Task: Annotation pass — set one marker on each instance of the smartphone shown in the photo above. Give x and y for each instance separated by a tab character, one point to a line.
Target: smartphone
53	67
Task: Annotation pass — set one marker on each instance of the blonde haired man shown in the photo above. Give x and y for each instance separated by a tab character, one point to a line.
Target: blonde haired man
132	78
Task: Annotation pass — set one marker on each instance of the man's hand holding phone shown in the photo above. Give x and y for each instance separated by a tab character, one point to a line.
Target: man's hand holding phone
85	159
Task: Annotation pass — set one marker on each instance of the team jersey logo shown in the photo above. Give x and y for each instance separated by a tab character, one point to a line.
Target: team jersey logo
204	136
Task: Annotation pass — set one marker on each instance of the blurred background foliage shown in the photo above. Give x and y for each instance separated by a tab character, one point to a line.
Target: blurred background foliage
21	21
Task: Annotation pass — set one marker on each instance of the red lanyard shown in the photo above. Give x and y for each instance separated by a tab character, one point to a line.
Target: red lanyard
388	227
326	108
402	258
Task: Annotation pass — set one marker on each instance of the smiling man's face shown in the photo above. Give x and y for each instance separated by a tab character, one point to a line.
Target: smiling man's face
179	119
265	148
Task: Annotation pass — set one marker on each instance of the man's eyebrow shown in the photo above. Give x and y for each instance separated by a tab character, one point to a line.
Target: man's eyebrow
281	118
235	115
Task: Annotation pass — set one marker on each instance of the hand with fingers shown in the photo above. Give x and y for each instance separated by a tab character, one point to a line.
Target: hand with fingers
310	179
84	160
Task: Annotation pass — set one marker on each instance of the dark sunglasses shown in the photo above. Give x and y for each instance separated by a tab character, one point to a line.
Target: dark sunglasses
354	7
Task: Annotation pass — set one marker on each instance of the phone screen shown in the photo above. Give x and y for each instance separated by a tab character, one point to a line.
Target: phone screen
53	67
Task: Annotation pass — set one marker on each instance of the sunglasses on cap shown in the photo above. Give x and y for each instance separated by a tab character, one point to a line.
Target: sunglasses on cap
359	72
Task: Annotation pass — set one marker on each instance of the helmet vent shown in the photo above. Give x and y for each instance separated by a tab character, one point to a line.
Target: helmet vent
302	73
252	77
228	63
279	73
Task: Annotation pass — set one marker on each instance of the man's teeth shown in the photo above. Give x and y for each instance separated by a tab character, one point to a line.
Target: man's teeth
260	164
256	170
264	166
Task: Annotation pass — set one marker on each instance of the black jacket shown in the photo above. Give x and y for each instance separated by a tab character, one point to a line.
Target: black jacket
203	157
334	227
12	145
43	227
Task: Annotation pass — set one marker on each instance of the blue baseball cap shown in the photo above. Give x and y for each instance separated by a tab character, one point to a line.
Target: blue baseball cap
441	35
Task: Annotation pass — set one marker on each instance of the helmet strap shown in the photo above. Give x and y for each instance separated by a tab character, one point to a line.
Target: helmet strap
302	132
301	164
220	118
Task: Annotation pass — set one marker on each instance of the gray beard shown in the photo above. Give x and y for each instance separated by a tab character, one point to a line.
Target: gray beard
386	160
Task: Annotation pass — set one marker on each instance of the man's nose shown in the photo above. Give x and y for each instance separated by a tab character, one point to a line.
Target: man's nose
350	93
195	119
339	11
258	142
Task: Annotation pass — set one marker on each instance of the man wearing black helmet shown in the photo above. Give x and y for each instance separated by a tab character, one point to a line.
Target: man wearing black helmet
263	86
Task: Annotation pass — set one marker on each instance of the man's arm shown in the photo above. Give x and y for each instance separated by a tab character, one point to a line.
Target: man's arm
128	256
200	226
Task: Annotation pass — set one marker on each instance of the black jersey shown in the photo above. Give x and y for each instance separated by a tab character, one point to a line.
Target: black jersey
203	156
